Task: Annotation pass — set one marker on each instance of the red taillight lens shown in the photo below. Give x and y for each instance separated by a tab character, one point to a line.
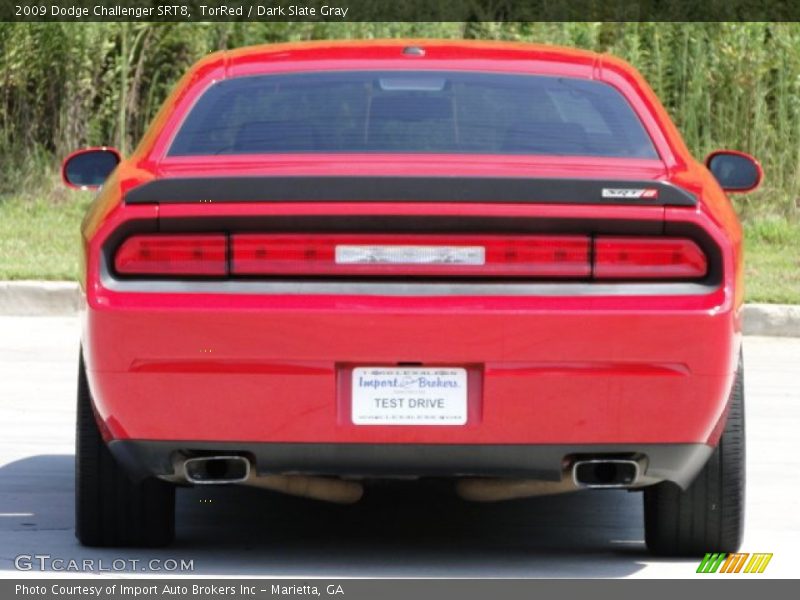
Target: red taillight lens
531	256
648	258
197	255
411	255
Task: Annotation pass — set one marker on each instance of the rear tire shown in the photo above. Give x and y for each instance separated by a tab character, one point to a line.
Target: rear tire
709	515
110	508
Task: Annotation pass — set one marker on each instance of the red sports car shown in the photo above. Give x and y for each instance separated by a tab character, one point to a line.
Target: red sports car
329	263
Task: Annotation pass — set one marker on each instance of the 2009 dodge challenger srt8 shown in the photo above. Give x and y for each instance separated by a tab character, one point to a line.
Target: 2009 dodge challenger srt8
331	263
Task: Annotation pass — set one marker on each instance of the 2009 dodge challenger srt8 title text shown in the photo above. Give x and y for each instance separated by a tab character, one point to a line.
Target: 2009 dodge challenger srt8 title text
330	263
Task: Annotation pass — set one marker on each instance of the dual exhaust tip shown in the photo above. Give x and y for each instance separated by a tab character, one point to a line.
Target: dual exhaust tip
605	473
216	470
595	473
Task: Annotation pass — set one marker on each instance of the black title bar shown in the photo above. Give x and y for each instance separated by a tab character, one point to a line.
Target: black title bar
398	10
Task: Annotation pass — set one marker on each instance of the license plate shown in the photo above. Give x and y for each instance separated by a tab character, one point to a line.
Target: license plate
409	396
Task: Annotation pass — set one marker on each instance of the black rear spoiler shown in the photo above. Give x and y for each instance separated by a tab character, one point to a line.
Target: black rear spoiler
408	189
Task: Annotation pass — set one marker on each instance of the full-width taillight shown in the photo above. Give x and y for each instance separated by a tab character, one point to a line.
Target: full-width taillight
193	255
648	258
411	255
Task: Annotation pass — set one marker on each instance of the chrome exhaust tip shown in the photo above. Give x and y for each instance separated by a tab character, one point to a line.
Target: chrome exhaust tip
605	473
216	470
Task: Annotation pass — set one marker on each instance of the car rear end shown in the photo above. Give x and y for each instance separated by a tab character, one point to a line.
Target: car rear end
571	357
351	301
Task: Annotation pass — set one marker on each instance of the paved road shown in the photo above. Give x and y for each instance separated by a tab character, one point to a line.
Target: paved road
398	530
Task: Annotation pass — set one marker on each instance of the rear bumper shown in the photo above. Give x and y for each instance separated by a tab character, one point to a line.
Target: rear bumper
274	369
567	365
679	463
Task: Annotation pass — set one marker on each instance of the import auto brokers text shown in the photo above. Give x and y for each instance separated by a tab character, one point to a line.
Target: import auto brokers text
134	590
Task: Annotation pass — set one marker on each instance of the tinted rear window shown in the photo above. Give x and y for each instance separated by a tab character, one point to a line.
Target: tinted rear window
412	112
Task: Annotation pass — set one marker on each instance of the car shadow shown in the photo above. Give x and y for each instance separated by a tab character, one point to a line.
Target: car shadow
400	528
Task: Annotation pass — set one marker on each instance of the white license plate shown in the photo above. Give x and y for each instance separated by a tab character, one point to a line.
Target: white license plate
409	396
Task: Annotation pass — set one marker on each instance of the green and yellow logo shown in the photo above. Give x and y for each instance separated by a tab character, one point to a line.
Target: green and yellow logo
736	562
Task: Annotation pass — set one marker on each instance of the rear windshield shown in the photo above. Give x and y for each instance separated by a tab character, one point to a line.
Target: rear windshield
412	112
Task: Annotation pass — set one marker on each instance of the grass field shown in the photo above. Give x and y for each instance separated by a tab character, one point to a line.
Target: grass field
772	261
39	240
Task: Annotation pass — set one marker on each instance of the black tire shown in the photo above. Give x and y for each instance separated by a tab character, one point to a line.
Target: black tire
110	508
709	515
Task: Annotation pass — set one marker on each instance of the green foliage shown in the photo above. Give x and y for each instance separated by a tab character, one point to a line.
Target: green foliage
732	85
65	85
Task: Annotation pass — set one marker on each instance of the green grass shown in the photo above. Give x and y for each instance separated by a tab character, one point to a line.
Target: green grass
39	239
772	261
